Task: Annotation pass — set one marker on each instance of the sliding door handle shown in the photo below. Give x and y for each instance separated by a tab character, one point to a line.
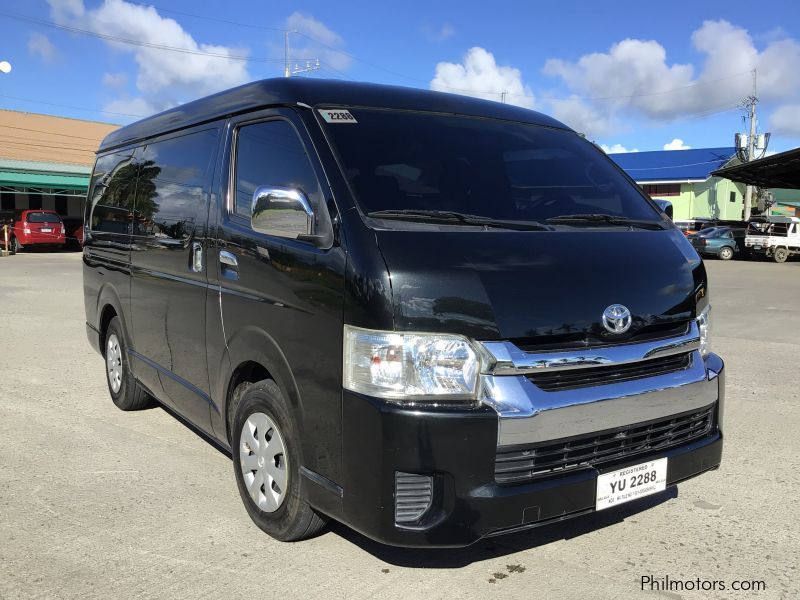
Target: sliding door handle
228	265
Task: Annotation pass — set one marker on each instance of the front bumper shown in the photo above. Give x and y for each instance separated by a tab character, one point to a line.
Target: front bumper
458	448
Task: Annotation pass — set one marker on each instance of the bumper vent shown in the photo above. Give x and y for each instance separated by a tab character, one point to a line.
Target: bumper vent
551	458
555	380
413	495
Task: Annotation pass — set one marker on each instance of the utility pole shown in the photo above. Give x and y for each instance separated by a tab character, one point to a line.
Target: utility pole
286	71
751	144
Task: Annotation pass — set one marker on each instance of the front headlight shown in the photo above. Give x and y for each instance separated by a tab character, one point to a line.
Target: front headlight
704	325
410	368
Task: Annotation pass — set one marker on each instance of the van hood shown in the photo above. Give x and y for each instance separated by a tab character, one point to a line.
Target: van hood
541	288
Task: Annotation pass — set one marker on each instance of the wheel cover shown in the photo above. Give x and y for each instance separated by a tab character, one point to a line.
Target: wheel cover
114	363
263	461
727	252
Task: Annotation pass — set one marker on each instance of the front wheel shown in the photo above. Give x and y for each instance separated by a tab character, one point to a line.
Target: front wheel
780	255
266	464
726	253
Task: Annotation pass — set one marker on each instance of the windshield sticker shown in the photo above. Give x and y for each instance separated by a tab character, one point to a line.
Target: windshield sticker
337	115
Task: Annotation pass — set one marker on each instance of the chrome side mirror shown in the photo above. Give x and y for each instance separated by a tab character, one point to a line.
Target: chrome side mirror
283	212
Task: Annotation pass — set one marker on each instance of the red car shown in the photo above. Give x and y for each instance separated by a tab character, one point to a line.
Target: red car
36	228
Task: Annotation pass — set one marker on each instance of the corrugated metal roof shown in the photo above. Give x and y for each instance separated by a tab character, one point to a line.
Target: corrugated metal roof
48	180
674	165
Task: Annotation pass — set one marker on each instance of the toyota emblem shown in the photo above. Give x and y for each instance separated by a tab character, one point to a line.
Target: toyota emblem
617	318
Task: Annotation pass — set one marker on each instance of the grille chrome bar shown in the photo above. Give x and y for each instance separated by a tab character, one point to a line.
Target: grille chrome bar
510	360
557	456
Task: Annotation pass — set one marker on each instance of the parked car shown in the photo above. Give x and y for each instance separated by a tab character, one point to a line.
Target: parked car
74	232
774	237
37	228
692	226
723	242
429	339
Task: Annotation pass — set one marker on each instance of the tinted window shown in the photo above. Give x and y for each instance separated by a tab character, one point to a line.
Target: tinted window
405	160
42	217
113	186
271	153
170	201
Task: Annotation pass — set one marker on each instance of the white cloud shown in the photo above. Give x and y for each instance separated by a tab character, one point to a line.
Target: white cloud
115	80
636	74
321	42
617	149
480	76
785	120
440	34
676	144
41	46
164	78
582	117
130	107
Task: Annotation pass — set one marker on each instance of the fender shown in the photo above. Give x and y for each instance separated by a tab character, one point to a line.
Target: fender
254	344
108	296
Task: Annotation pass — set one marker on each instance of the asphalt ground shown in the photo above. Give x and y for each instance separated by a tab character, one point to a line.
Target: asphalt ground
97	503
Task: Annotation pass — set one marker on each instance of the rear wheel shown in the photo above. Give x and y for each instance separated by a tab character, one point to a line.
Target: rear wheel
780	255
15	245
266	464
726	253
125	392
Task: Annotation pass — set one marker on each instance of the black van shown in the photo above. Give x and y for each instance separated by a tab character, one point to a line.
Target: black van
431	317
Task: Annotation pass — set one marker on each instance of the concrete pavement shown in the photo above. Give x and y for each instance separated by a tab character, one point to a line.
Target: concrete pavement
97	503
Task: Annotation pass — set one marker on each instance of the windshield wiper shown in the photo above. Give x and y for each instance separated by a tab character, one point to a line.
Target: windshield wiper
449	216
604	219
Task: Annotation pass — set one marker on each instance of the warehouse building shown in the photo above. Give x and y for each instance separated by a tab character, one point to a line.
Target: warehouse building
683	177
46	161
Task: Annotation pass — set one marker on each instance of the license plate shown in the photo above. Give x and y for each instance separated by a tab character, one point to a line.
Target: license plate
757	247
631	483
46	230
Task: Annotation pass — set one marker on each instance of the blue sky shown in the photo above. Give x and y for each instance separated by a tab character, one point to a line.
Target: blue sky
632	75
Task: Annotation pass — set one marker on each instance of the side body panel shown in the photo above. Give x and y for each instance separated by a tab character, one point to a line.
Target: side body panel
282	309
169	280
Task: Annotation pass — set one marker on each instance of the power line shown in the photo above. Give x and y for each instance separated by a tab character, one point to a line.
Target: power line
48	146
113	38
80	137
95	110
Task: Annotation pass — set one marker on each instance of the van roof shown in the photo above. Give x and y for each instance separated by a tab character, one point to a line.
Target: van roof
316	92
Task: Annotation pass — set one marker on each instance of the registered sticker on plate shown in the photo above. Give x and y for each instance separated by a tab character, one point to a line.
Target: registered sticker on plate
337	115
631	483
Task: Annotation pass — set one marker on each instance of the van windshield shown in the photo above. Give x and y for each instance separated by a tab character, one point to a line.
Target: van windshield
432	163
42	217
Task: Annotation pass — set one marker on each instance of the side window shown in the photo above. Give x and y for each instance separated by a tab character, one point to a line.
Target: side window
113	186
271	153
170	200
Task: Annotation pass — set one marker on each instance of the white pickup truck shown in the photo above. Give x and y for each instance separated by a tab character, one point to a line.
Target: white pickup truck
774	237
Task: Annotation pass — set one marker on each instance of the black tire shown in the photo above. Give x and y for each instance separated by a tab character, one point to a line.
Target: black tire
130	395
15	246
293	519
726	253
780	255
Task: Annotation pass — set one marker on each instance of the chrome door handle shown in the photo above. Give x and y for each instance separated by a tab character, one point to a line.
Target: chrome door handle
196	265
228	265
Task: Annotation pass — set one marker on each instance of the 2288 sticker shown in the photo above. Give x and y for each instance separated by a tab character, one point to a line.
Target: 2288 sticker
337	115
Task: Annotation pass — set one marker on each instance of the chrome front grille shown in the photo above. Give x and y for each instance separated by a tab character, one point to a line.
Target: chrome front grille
559	456
558	380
